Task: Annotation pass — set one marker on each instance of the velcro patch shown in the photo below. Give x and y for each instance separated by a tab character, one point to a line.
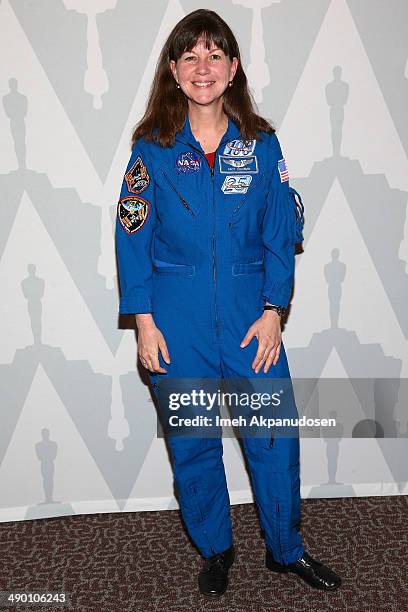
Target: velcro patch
236	183
132	213
239	148
189	161
283	171
228	165
137	178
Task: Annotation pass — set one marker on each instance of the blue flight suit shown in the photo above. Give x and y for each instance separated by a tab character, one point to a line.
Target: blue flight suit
202	250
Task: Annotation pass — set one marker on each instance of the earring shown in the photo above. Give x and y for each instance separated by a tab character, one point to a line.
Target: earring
178	86
230	83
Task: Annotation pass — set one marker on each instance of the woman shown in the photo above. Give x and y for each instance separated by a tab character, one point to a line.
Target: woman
206	233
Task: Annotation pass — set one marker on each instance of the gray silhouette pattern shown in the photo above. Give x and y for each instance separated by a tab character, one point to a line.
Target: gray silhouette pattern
15	108
383	34
46	451
33	290
125	35
94	56
336	96
334	273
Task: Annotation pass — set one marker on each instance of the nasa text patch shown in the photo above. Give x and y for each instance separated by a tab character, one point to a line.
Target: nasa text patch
189	161
132	213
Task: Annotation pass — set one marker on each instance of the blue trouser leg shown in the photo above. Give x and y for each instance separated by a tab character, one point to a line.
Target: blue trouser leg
198	467
274	468
276	487
202	492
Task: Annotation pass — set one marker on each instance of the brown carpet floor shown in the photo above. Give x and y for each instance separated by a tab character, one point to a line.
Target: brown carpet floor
145	561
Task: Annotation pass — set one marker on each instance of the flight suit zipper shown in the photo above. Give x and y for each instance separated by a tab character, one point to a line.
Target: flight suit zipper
214	228
182	200
272	439
194	492
214	251
279	529
214	241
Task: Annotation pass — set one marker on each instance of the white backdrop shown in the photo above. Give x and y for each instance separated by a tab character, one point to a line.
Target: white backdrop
78	427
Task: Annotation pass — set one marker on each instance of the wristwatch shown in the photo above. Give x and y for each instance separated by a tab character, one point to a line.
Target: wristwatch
278	309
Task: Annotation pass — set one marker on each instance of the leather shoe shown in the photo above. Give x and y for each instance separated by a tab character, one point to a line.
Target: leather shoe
213	577
311	571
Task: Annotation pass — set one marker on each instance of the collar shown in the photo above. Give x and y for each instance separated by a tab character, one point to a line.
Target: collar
186	135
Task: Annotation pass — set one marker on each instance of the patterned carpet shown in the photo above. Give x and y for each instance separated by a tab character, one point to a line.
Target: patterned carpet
144	561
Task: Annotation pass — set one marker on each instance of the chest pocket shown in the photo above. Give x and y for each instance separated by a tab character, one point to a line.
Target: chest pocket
175	237
171	184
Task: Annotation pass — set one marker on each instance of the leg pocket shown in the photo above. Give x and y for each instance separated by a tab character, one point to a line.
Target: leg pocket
191	501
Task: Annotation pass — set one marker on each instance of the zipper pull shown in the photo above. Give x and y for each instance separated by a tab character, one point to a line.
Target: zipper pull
212	170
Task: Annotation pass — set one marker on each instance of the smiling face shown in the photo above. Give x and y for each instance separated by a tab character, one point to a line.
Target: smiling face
204	74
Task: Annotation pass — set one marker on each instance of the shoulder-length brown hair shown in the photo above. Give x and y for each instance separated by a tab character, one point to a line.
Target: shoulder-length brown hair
167	105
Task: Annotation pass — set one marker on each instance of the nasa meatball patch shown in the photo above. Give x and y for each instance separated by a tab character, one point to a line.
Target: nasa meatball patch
137	178
132	213
188	162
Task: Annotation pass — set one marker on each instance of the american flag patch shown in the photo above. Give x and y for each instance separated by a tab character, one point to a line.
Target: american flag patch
283	171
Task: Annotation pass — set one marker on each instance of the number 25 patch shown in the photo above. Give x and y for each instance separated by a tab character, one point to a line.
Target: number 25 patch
236	183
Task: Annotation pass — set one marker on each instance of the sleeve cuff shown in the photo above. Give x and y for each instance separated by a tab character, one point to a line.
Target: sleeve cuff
133	305
278	295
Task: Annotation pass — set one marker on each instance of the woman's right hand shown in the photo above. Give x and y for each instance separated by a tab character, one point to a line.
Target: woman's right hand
150	341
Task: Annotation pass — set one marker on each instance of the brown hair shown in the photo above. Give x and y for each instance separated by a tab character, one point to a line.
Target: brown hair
167	105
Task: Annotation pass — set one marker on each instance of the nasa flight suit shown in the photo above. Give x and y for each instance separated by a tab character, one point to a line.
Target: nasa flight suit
202	250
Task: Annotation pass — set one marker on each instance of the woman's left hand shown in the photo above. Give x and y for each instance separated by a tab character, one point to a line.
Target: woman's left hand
268	331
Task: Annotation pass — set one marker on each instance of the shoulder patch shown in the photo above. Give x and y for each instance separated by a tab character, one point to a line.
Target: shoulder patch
137	178
132	213
283	171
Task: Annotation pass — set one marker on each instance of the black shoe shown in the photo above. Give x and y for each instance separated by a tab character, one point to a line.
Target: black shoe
313	572
213	577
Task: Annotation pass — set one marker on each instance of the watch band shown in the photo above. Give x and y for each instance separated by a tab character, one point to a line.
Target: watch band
280	310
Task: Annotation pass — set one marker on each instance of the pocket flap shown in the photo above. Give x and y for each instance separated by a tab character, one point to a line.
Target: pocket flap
247	268
165	267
